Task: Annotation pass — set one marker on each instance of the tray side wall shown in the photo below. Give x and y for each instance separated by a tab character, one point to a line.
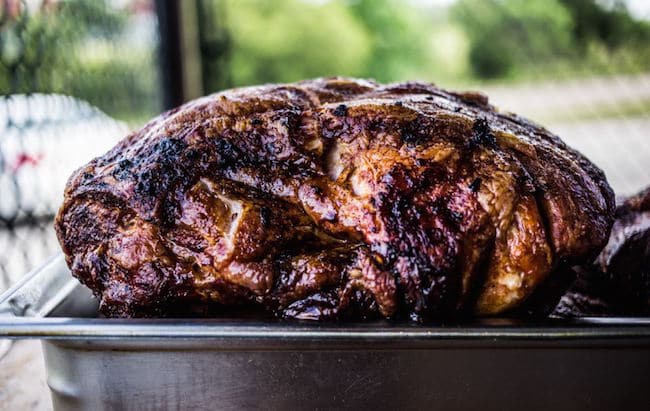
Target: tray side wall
448	378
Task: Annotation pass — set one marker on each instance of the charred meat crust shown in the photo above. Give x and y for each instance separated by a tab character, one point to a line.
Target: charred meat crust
618	282
332	198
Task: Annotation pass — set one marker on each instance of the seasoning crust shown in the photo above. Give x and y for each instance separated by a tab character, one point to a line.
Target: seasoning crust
332	199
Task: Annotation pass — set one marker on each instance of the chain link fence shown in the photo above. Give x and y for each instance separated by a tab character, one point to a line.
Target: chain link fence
44	138
102	52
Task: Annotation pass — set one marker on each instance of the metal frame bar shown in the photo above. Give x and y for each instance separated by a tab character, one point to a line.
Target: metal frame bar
170	52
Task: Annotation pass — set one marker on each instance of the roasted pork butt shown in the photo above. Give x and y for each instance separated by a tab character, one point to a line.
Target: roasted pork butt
330	199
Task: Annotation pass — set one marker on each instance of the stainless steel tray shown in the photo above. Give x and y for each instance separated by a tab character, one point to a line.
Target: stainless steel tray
94	363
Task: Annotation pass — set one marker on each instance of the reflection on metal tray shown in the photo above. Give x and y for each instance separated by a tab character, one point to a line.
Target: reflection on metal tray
96	363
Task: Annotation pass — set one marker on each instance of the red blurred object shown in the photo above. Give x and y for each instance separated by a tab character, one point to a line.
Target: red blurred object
25	159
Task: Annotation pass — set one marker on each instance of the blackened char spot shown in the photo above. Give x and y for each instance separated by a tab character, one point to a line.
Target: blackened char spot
482	134
475	185
341	110
416	131
408	137
147	184
456	216
228	154
125	163
526	183
168	148
265	216
192	154
359	305
162	167
123	169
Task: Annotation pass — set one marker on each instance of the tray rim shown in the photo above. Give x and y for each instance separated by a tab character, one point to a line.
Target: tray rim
100	328
39	326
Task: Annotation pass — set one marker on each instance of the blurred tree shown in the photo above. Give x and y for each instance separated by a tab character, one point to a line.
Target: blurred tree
79	47
505	34
515	38
71	47
607	23
399	46
92	18
48	37
290	40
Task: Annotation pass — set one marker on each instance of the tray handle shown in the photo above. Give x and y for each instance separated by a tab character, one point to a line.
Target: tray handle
40	291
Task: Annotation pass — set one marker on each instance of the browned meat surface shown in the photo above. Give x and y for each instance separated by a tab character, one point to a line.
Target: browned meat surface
619	281
626	258
332	198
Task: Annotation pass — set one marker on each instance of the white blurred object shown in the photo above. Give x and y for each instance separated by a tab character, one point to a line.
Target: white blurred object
44	139
621	147
605	118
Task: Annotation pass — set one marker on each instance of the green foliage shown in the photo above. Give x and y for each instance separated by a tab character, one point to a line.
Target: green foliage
90	18
295	39
78	47
398	35
391	40
505	34
292	40
520	38
613	27
69	48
